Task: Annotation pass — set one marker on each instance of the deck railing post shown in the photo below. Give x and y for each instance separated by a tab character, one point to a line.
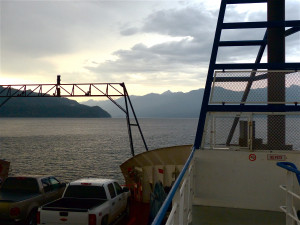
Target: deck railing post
181	204
173	215
190	193
289	198
176	215
289	209
186	200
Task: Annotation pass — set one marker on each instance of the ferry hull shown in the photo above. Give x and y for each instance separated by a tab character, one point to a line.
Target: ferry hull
142	171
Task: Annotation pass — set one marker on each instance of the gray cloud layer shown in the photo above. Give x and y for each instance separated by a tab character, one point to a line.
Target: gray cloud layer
176	58
184	59
187	55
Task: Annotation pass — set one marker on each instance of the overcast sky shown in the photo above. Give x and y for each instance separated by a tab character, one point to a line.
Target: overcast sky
152	46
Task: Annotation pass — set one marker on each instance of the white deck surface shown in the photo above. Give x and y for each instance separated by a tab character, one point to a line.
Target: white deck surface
205	215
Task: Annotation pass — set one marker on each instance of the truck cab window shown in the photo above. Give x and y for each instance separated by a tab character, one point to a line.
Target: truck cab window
46	185
111	190
80	191
118	188
54	183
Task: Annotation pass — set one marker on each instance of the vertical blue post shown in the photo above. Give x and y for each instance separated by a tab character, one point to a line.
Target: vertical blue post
210	75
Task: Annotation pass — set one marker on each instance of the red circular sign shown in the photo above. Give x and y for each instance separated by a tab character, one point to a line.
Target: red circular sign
252	157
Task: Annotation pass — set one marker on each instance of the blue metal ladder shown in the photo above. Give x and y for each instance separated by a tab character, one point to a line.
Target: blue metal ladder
294	27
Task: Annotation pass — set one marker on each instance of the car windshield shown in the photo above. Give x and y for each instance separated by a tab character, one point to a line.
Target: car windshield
21	185
81	191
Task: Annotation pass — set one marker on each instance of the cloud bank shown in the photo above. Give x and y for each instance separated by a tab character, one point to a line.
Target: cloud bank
153	45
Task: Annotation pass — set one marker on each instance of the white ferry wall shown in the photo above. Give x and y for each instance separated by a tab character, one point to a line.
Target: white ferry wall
228	178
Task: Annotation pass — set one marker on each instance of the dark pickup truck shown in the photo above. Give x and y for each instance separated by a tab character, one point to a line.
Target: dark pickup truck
20	197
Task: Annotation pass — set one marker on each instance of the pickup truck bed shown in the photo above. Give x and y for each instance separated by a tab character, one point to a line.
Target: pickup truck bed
6	196
73	204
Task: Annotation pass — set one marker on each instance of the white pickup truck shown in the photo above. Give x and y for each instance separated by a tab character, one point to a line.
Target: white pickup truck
89	201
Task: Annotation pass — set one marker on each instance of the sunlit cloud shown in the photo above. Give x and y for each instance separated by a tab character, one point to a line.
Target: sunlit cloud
152	46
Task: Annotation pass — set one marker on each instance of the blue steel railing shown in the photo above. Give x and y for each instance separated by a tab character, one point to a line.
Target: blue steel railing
162	212
290	209
290	167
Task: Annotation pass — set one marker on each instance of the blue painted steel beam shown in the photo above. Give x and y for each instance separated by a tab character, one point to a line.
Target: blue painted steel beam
244	79
291	31
248	87
270	66
245	1
241	79
254	108
241	43
209	79
290	167
248	25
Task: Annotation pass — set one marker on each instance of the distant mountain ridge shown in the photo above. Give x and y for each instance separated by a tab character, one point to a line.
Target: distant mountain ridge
165	105
185	105
48	107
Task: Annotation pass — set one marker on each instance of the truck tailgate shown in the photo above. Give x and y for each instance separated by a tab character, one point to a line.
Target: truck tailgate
49	217
68	211
4	209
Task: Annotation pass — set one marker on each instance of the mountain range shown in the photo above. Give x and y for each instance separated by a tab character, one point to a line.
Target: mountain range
185	105
166	105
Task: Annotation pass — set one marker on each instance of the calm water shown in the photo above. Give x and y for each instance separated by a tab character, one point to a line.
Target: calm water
74	148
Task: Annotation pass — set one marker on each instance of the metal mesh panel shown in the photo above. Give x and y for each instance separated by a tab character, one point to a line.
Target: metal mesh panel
219	126
254	131
223	126
293	130
276	132
207	136
259	131
251	87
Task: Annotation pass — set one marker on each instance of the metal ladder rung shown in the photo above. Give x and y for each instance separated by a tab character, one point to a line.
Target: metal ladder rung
288	32
271	66
245	1
241	43
247	25
291	31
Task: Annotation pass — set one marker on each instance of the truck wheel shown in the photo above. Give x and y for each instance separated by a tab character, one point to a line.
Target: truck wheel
104	220
31	219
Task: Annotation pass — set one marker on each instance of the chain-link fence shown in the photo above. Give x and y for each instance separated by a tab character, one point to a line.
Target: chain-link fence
255	87
254	131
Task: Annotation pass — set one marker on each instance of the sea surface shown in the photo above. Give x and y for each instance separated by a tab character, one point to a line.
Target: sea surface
71	148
